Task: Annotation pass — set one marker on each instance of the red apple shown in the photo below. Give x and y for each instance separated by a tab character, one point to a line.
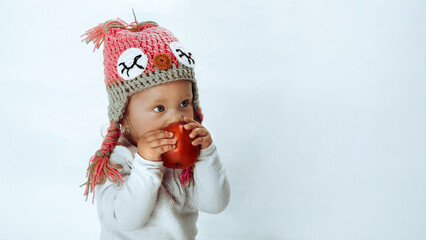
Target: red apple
185	154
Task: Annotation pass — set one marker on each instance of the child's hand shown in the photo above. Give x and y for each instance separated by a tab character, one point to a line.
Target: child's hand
199	132
154	143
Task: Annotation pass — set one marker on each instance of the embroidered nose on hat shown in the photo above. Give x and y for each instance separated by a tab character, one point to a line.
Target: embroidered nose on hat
162	61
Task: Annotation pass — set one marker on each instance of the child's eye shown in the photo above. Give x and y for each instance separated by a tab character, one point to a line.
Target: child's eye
184	103
159	108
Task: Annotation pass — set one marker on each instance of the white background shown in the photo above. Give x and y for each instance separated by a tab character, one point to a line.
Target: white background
317	109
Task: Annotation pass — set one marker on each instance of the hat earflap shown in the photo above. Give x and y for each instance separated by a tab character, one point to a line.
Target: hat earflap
100	168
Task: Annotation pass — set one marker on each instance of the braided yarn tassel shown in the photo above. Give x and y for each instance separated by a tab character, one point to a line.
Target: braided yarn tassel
187	175
100	168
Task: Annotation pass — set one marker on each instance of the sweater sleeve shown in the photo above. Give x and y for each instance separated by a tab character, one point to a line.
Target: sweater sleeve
211	188
129	205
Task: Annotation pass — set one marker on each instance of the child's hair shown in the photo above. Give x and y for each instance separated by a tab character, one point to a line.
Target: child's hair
137	56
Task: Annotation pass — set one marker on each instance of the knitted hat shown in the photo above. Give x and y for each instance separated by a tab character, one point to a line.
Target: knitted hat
137	56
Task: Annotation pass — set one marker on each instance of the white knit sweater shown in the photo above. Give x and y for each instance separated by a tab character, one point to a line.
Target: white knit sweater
151	204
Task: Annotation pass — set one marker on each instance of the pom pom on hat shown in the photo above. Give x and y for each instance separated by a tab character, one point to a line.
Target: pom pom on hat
98	33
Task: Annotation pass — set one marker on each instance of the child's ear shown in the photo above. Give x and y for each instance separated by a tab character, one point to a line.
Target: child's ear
124	122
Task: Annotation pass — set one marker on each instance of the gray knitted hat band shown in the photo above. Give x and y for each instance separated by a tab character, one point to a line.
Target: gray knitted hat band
119	94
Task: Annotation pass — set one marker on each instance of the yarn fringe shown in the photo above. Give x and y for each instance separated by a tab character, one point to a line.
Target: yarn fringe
187	175
100	168
97	34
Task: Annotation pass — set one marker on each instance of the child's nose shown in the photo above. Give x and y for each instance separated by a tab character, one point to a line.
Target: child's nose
175	117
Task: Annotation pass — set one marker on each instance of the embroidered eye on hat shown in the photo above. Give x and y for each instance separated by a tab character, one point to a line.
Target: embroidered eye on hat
137	56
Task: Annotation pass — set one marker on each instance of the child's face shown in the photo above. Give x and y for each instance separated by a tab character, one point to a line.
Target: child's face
159	106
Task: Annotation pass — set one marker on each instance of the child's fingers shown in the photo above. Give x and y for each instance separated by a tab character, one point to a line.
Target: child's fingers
158	134
165	148
162	142
199	141
189	120
204	142
198	132
190	126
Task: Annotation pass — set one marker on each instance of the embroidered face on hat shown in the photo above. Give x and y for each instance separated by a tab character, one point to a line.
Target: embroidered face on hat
129	54
139	56
135	61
